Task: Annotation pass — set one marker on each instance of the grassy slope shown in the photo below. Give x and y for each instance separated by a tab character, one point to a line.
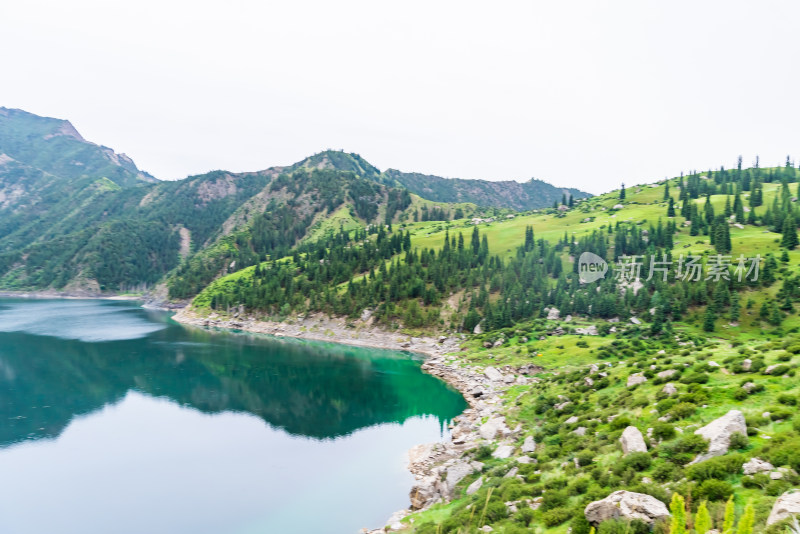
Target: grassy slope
562	354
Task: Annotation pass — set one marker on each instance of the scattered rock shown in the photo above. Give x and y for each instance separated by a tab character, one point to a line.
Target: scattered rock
669	389
588	382
632	441
635	320
747	364
588	331
756	465
636	379
492	427
787	505
503	451
511	472
493	374
562	405
529	445
475	486
719	432
626	505
571	420
580	431
669	373
749	386
775	475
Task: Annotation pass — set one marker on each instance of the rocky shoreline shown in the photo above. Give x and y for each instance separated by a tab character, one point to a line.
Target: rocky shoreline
437	467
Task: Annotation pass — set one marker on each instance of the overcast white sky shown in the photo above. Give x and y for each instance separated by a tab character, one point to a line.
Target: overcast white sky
580	93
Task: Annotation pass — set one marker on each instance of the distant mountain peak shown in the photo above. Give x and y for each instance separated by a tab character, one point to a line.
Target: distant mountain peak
339	160
55	146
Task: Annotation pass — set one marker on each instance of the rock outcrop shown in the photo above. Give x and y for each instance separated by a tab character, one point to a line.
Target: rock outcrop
718	433
787	505
632	440
626	505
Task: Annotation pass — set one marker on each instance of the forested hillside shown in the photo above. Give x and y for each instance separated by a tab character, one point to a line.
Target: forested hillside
671	379
523	196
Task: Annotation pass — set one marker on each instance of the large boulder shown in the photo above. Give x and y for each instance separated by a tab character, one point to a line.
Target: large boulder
757	465
787	505
626	505
493	374
553	314
491	428
503	451
718	433
632	440
529	445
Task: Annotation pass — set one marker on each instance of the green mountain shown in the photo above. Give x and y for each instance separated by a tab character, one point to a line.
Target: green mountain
75	216
524	196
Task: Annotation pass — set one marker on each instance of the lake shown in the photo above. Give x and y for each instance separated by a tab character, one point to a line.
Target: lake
115	419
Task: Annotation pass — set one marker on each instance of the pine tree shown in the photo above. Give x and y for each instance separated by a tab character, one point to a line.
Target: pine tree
678	510
730	511
671	208
666	191
735	307
702	521
789	240
747	520
622	192
710	319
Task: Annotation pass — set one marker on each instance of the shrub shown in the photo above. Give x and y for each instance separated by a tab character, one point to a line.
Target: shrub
556	516
683	410
524	516
778	412
617	526
484	452
740	394
663	431
777	487
716	468
620	422
794	348
739	441
779	370
714	490
579	524
789	400
664	472
695	378
639	461
691	443
585	458
579	486
553	499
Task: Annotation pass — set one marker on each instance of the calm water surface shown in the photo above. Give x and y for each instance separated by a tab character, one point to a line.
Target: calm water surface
114	419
